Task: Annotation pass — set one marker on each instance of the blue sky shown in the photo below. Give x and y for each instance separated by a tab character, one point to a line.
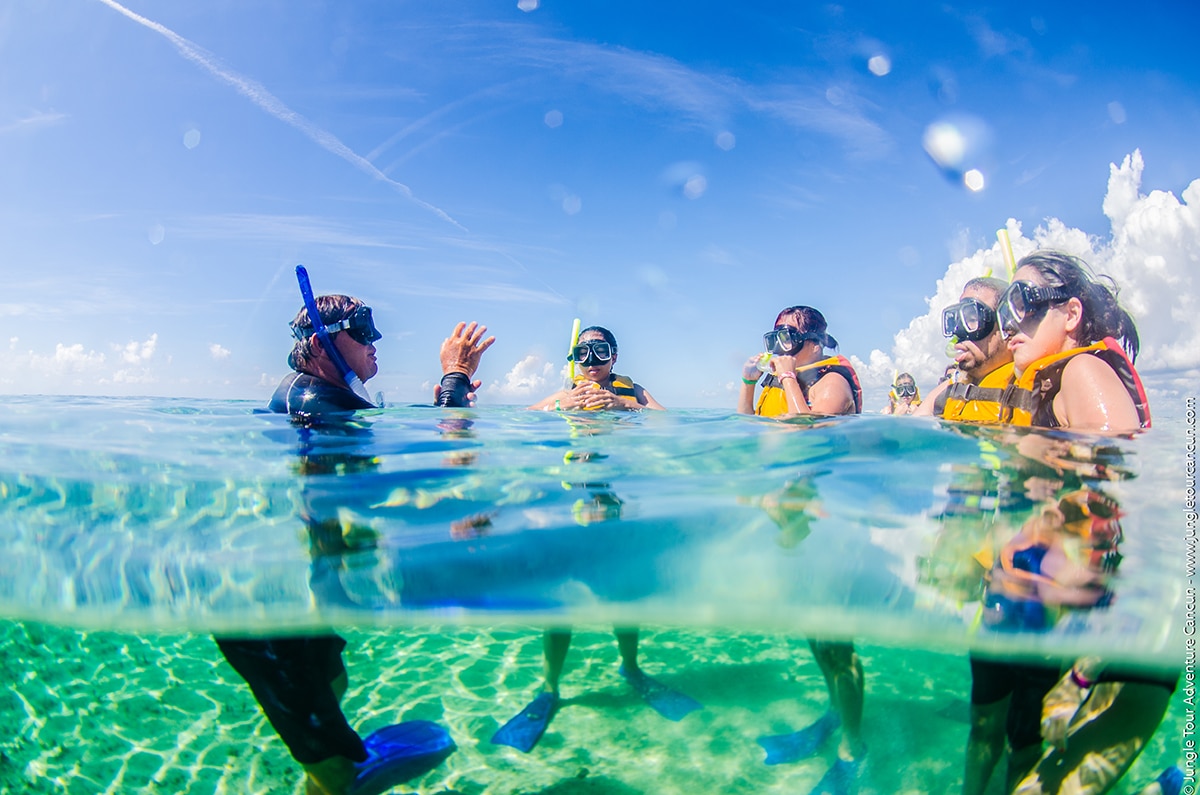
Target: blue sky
677	172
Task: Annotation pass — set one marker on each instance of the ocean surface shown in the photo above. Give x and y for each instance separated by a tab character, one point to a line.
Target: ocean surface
440	543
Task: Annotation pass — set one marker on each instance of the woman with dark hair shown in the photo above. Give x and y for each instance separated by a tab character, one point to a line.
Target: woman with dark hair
800	379
803	380
1073	348
596	385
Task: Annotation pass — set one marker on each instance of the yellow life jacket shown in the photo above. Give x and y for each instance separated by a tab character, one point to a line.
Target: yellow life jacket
773	401
622	386
978	402
1030	400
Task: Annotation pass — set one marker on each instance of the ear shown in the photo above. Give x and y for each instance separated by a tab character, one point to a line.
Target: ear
1074	309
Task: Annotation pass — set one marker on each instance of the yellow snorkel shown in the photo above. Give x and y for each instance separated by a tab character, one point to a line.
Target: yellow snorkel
571	349
1007	250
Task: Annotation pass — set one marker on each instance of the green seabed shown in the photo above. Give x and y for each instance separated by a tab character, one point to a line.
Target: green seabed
104	712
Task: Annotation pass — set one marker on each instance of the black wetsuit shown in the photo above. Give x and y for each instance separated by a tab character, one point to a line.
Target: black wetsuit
292	677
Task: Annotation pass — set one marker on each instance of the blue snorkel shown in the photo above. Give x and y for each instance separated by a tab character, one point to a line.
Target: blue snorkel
314	317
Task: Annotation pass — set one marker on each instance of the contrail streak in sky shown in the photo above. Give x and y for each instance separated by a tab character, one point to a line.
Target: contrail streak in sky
260	96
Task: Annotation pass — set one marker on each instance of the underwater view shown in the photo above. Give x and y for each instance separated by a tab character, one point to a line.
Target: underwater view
440	543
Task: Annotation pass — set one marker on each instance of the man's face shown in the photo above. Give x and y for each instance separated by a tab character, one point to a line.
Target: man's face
360	357
978	358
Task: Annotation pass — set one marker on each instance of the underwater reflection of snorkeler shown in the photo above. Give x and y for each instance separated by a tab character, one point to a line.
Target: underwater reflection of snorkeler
596	388
299	680
596	385
802	380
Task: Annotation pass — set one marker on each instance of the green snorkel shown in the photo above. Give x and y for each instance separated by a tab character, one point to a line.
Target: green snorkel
314	317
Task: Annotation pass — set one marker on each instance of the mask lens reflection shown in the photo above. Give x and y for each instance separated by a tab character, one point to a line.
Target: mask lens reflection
970	317
783	340
587	352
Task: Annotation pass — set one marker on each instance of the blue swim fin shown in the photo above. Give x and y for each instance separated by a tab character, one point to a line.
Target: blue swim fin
840	779
398	753
526	728
671	704
784	748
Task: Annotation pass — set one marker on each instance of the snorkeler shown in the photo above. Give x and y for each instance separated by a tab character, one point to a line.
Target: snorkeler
1073	348
904	396
298	681
1006	696
596	385
982	360
596	388
801	379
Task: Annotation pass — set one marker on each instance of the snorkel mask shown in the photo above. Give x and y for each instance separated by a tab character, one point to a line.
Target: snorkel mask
786	340
359	325
969	319
1023	300
592	352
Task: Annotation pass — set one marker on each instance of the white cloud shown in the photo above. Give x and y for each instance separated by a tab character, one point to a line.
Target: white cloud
219	352
67	358
138	352
529	379
1153	254
69	366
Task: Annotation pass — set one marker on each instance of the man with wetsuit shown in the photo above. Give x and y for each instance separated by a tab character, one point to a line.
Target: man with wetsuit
299	680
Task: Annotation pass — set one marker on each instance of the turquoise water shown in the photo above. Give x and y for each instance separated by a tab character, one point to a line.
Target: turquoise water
134	528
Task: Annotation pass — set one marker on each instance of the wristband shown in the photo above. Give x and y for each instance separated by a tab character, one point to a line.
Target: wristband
1079	681
784	375
455	387
749	381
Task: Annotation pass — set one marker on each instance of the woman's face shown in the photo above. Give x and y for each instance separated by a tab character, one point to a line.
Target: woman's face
1044	332
593	370
906	391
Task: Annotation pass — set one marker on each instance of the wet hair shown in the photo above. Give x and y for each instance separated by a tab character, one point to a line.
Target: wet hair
603	332
810	321
1102	315
332	308
989	283
904	377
